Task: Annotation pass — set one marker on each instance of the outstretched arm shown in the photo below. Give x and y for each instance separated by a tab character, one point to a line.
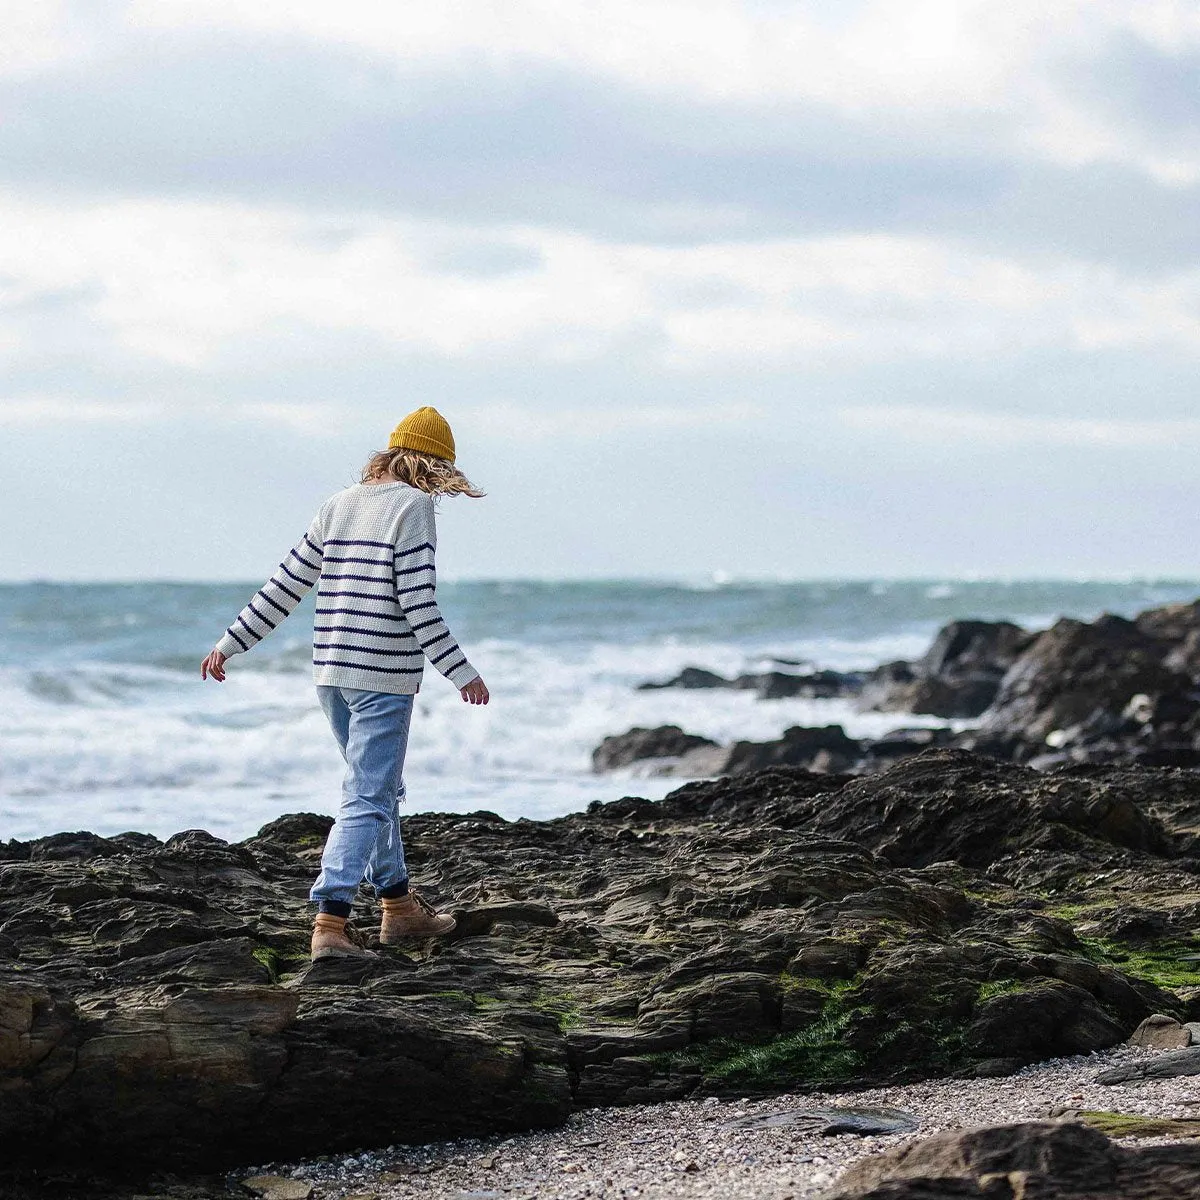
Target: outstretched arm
416	582
287	586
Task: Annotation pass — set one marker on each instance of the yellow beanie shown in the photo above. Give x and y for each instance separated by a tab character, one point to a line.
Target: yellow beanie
426	430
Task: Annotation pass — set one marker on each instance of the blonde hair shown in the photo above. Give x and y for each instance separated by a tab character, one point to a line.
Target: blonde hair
437	476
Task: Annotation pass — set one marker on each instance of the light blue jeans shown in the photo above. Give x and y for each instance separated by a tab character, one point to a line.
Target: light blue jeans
372	732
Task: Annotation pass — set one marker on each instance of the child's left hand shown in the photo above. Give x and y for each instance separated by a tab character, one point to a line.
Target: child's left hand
213	665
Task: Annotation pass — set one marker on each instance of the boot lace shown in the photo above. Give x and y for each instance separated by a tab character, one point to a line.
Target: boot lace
423	903
354	937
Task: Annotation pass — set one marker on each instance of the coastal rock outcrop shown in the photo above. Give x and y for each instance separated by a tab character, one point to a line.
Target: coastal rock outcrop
1103	682
759	933
768	685
959	676
638	745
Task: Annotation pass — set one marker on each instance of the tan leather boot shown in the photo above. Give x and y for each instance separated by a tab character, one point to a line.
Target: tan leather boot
330	939
412	916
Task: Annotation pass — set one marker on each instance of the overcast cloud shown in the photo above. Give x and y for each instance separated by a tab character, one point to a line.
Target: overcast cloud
778	289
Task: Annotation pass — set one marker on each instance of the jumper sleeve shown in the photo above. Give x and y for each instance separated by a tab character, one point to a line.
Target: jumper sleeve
279	595
415	585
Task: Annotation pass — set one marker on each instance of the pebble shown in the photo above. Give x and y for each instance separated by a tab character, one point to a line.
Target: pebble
696	1149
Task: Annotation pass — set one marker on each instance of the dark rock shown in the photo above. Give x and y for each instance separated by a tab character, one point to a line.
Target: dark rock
832	1120
757	934
1079	676
690	677
958	676
667	741
816	685
1046	1160
798	747
770	685
1163	1066
62	846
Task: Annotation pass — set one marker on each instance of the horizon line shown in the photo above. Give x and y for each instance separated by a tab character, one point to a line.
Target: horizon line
717	579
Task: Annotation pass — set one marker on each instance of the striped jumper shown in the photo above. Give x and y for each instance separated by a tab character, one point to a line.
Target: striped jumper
370	550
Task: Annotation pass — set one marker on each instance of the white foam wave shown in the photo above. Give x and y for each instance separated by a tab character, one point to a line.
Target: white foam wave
112	747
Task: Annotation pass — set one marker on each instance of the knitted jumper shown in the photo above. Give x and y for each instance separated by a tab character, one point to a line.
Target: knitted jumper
370	549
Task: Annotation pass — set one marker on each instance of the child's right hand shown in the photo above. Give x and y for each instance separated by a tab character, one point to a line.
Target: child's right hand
213	665
475	692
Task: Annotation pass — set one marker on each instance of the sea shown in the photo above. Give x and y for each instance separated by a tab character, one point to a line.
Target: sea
106	725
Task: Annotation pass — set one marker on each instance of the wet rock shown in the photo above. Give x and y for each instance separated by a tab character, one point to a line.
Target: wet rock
689	677
769	685
759	933
1036	1159
1075	682
958	676
816	685
1159	1032
832	1120
674	752
1164	1066
667	741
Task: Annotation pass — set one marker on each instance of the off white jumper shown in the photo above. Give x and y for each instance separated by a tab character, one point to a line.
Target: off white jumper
371	549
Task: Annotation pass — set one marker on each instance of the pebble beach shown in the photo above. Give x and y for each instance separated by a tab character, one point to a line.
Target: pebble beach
716	1147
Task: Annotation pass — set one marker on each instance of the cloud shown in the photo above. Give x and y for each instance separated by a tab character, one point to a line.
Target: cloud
913	423
191	285
55	410
507	421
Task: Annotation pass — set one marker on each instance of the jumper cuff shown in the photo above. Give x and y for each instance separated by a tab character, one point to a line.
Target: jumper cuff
228	646
463	675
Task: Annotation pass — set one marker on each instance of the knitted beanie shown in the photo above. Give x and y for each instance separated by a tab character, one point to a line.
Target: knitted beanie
426	430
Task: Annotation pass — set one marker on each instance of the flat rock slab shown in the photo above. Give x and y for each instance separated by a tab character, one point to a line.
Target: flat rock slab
278	1187
832	1120
1164	1066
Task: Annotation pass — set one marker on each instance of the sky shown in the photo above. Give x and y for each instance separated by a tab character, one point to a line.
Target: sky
752	287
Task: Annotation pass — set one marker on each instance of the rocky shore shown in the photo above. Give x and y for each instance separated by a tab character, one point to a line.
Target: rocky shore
1109	691
782	932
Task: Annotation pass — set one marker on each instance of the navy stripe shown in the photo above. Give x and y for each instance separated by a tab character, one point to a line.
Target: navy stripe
374	562
361	578
285	589
367	650
354	612
422	546
331	662
310	566
358	595
312	545
268	623
440	638
448	671
414	570
304	583
426	625
417	607
385	633
272	603
357	542
258	637
444	654
419	588
237	639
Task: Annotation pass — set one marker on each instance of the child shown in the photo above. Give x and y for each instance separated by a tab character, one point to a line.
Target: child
371	550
